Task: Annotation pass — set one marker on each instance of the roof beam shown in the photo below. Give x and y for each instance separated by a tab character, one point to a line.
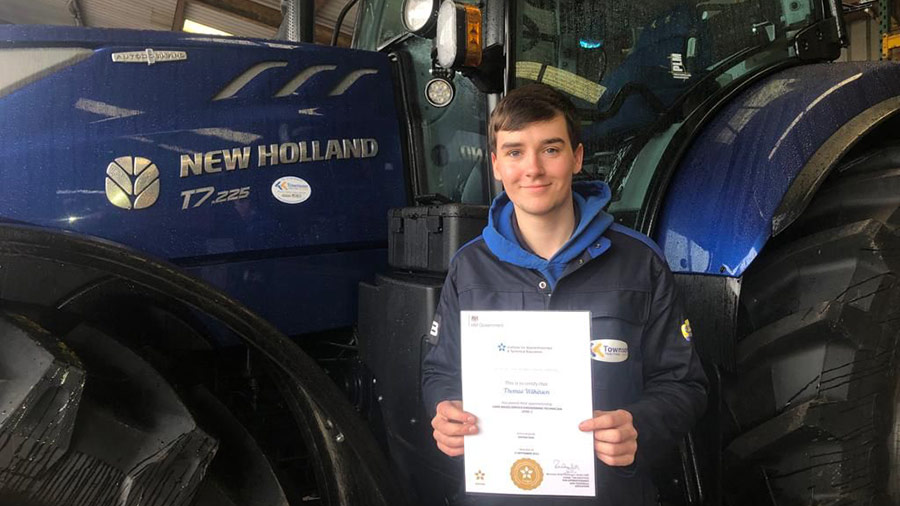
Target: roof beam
178	19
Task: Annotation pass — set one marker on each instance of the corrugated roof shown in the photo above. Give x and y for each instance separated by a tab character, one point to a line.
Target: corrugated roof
327	12
145	15
227	22
158	15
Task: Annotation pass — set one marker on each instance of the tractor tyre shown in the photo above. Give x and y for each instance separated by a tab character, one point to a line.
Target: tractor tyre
87	420
125	382
814	402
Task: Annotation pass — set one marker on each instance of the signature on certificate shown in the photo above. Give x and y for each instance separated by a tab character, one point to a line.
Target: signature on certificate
570	468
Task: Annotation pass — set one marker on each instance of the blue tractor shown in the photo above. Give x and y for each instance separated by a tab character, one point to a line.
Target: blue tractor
219	256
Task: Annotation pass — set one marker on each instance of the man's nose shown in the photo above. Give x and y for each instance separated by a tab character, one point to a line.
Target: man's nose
534	167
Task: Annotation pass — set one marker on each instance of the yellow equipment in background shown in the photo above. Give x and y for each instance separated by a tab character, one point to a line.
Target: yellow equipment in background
890	46
890	34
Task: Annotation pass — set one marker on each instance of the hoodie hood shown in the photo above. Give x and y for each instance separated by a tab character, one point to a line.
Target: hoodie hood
589	197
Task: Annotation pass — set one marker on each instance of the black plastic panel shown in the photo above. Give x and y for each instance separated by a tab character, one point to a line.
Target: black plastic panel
425	238
394	316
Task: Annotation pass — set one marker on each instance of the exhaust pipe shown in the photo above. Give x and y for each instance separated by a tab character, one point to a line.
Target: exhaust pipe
298	20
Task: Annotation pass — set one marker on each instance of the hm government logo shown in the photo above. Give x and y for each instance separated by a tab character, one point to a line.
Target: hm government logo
132	182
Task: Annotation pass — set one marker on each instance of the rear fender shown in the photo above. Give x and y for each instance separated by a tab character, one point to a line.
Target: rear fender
755	167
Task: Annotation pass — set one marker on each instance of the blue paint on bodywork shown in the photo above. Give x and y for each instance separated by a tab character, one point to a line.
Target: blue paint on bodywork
717	215
318	290
62	131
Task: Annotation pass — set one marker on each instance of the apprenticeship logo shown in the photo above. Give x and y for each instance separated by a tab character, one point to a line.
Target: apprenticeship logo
291	190
501	347
132	182
609	350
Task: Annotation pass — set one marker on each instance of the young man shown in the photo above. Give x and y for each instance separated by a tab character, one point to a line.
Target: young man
550	246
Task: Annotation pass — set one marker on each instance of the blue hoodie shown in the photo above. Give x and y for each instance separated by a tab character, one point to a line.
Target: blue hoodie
590	197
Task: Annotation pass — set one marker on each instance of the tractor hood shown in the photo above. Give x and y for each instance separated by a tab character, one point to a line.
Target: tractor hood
261	166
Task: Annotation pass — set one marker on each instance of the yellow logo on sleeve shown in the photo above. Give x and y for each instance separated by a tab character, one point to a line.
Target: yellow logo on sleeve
686	330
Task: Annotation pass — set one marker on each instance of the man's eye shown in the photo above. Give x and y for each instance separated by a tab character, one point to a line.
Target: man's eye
514	153
552	150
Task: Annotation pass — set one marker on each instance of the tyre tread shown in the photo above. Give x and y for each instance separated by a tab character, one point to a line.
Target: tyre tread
818	360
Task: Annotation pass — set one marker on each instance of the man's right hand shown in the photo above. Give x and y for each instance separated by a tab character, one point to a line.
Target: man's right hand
450	424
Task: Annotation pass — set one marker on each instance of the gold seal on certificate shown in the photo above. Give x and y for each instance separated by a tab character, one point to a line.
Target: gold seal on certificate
526	474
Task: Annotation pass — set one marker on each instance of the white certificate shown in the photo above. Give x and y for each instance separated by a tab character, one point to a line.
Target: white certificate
526	376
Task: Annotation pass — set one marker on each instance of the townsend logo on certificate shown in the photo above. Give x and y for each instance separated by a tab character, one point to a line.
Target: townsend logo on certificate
526	375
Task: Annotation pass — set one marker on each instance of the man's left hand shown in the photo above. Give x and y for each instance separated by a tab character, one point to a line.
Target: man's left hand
615	438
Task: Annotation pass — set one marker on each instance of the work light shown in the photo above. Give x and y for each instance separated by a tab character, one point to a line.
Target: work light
419	16
439	92
458	40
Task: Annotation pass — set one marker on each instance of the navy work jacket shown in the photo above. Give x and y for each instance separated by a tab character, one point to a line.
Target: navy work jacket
628	288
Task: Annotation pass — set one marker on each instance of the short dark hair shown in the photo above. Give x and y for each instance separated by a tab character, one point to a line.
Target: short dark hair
530	104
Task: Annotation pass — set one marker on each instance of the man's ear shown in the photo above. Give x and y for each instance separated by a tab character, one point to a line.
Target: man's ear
494	166
579	158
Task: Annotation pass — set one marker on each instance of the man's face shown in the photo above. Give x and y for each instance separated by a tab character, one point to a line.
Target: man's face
536	165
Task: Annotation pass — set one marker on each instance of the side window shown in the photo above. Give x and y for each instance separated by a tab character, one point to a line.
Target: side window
453	148
379	22
629	67
454	143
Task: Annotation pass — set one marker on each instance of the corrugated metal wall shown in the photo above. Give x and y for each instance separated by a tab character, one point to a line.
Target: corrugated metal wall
865	39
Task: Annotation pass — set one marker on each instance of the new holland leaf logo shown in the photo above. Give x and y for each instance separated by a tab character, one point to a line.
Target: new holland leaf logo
132	182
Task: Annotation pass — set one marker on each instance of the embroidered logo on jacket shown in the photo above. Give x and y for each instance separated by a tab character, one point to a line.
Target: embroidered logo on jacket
686	330
609	350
